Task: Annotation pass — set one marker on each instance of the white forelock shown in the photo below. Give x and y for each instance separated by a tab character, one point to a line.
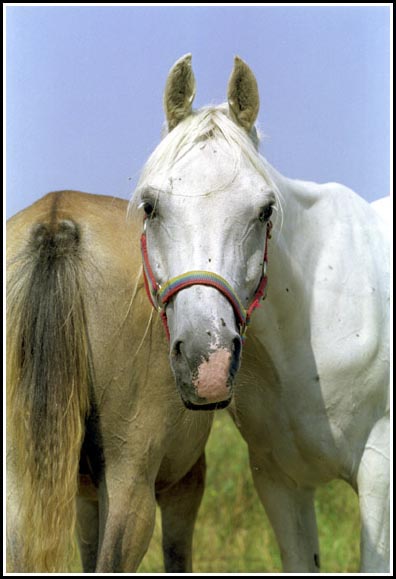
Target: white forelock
207	123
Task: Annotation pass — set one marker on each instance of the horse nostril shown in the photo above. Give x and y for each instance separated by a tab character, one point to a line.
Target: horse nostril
236	345
235	354
176	350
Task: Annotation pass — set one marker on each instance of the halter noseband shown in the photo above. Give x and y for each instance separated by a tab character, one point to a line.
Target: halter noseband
160	296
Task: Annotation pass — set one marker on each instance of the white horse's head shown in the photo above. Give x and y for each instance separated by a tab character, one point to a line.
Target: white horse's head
207	200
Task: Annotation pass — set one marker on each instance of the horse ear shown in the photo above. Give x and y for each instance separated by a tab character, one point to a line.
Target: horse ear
243	95
179	91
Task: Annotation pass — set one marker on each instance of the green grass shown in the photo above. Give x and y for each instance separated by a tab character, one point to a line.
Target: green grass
232	533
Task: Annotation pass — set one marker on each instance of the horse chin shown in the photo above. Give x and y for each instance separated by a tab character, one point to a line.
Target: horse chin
210	406
193	401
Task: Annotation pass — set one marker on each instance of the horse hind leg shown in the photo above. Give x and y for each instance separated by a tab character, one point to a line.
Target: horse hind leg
179	508
127	518
373	487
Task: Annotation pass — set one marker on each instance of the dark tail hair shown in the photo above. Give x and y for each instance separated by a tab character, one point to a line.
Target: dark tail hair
48	390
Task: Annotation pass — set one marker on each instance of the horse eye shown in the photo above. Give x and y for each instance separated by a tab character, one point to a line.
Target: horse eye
265	213
148	208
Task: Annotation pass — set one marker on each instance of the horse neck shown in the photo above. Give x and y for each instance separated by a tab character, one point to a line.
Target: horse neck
294	247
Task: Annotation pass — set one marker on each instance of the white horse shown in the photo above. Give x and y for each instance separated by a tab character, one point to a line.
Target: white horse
311	398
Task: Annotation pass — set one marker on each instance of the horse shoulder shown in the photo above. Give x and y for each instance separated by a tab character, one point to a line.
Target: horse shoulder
350	293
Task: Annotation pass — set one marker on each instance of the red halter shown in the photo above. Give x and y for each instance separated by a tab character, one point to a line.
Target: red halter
160	296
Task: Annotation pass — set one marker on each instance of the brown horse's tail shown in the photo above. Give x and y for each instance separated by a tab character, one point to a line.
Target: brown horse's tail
48	390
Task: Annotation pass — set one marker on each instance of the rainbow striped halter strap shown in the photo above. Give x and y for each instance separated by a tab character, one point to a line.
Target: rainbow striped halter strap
160	295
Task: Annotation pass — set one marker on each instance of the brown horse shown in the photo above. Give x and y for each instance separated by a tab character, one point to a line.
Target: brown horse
92	407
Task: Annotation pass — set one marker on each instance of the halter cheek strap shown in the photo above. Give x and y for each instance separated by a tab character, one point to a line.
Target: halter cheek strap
160	296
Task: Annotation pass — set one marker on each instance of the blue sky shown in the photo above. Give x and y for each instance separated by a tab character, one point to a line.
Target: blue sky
84	88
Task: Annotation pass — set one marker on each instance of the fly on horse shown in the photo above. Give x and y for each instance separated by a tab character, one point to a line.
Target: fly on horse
311	399
92	408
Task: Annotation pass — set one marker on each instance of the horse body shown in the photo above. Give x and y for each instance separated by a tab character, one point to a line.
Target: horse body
311	396
325	323
136	443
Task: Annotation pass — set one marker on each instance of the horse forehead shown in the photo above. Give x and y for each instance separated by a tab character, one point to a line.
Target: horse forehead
212	168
